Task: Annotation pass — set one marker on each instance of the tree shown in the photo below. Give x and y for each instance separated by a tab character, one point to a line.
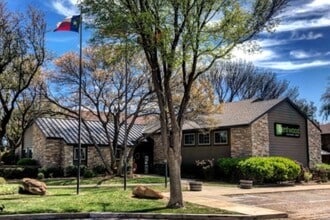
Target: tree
103	91
29	106
325	108
183	37
22	54
239	80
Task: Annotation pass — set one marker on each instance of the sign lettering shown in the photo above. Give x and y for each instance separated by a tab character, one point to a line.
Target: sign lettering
287	130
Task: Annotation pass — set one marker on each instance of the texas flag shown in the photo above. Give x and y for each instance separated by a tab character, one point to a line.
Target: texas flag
69	24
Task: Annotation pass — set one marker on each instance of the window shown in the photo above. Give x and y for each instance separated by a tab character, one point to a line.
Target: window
221	137
82	154
204	138
189	139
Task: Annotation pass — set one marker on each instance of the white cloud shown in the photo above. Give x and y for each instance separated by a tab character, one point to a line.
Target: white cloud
304	24
309	36
288	65
300	54
298	15
300	8
255	57
66	7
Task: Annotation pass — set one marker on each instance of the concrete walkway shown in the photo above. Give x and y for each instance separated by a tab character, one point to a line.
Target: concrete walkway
217	197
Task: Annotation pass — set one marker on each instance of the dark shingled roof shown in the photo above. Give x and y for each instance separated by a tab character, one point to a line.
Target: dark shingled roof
239	113
67	129
233	114
325	128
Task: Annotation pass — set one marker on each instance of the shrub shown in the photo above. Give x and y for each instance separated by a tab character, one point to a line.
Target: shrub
269	169
2	181
9	158
323	171
51	172
88	173
99	169
12	172
227	168
27	162
41	176
71	171
206	168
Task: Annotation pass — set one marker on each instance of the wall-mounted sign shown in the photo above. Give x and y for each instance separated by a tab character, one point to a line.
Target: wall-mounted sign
287	130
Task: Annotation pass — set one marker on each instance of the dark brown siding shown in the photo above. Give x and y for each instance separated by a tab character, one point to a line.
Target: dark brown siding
199	152
291	147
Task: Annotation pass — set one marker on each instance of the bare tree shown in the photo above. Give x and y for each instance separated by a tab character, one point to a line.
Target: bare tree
104	89
22	52
325	108
238	80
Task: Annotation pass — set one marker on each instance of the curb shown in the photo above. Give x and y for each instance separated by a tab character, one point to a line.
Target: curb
106	215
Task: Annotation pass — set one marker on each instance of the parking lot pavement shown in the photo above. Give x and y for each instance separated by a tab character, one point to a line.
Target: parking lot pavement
309	204
295	202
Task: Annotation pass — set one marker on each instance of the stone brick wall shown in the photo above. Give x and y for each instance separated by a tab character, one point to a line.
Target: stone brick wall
55	152
314	144
94	159
159	150
49	152
260	137
241	145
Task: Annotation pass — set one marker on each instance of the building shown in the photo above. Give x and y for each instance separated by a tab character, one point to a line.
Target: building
245	128
325	139
53	142
249	128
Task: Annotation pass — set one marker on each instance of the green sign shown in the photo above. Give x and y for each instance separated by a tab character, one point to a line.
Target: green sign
287	130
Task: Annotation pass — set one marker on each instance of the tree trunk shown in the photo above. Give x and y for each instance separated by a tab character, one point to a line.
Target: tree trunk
174	162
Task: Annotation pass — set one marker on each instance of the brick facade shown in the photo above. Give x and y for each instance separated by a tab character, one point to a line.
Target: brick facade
241	145
314	143
260	137
56	153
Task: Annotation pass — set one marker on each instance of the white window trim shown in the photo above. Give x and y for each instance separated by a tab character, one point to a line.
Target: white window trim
219	143
184	139
208	133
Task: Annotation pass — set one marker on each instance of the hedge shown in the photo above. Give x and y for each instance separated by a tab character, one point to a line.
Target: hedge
259	169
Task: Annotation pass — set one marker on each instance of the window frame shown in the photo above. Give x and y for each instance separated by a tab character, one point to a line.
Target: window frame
83	156
184	139
219	132
204	134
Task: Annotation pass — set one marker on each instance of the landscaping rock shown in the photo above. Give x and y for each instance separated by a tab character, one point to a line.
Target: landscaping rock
146	192
33	186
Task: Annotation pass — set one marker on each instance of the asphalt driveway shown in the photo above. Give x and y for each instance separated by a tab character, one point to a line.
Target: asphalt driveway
307	204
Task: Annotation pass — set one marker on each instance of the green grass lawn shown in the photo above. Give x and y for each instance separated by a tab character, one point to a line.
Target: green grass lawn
104	181
97	199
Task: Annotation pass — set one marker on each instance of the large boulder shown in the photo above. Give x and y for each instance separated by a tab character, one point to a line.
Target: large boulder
33	186
146	193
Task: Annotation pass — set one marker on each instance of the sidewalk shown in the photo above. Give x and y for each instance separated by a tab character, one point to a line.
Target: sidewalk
216	197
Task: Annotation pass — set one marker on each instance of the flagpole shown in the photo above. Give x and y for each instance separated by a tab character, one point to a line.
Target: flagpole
79	105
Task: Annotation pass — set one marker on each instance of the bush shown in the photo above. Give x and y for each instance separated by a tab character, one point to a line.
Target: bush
27	162
99	169
12	172
269	169
205	168
227	169
9	158
323	171
2	181
41	176
71	171
88	173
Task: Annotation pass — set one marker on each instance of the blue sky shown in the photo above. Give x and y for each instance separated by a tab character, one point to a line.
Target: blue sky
298	51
